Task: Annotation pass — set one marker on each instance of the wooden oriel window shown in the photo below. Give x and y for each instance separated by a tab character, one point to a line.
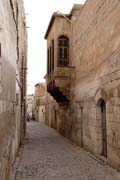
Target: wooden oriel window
63	51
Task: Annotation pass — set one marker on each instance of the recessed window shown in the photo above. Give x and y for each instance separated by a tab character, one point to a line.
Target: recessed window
63	51
52	55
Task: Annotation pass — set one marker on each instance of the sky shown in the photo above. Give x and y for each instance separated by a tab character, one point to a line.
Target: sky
38	14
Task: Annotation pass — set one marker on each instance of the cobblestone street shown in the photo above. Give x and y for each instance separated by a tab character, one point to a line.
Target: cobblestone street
46	155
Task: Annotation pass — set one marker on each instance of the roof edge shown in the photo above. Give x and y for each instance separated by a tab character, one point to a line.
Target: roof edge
54	15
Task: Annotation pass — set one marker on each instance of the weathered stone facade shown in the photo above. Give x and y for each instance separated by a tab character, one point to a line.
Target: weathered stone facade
40	96
91	117
12	57
30	106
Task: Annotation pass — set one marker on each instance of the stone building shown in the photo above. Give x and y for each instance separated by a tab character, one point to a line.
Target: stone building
13	59
40	96
30	105
83	77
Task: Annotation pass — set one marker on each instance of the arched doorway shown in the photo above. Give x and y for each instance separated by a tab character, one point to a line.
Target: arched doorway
102	115
104	131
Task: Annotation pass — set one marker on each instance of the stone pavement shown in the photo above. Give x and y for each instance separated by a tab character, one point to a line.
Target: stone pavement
46	155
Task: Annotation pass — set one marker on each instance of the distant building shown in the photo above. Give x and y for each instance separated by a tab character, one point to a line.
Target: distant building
40	96
30	101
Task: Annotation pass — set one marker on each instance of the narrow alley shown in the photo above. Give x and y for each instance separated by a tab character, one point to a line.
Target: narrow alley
46	155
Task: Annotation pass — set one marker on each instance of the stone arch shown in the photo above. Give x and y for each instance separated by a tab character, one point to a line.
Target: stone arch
100	94
63	34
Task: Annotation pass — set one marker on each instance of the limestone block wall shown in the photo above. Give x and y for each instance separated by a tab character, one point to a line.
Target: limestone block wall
50	106
42	113
9	103
55	116
21	62
58	117
7	85
96	57
40	93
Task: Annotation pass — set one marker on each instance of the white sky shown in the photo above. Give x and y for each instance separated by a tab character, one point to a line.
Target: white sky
39	14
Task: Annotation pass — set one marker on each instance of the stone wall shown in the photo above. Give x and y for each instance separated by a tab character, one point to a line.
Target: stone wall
9	119
30	106
40	96
50	108
21	65
96	56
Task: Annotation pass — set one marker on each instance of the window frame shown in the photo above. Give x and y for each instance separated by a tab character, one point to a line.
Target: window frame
63	51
